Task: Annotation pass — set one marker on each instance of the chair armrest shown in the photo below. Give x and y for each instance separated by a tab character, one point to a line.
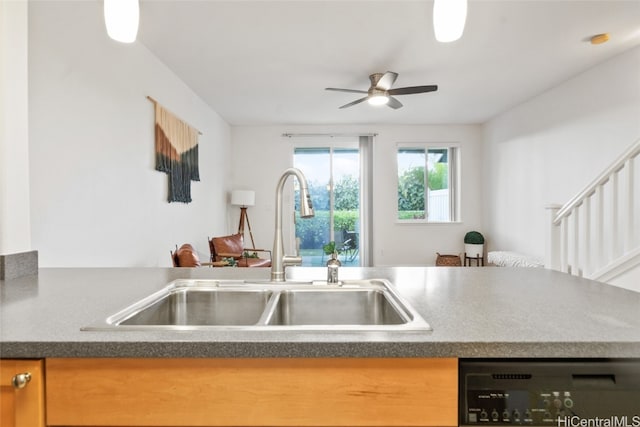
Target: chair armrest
230	255
249	251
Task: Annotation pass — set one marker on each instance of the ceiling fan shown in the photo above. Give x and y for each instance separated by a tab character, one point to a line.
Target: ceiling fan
380	92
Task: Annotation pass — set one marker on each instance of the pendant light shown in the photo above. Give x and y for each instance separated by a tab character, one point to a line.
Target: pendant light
121	19
449	17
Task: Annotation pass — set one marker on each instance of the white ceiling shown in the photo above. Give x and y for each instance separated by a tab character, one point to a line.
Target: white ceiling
268	62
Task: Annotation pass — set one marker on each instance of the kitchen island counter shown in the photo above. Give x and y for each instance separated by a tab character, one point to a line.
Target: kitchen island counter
474	312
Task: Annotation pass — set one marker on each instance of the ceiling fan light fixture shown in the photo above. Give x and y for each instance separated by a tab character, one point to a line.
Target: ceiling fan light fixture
449	17
381	92
121	17
378	100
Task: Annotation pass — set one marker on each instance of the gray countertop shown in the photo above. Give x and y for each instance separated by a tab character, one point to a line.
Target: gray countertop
474	312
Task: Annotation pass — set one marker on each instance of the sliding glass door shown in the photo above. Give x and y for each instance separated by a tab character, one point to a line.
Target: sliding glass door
333	175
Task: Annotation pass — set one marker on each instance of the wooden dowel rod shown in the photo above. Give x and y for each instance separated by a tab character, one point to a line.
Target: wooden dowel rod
156	102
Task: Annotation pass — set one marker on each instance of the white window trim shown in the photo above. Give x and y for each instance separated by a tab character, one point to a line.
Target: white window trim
454	180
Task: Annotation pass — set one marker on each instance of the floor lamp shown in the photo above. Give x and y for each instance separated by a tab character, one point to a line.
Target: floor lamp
244	199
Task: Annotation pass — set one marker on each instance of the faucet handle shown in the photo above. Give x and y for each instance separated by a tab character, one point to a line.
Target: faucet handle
289	260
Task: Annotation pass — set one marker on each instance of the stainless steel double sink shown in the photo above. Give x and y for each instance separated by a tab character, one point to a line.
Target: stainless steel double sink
358	305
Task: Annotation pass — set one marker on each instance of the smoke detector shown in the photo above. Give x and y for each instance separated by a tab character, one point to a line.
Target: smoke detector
600	38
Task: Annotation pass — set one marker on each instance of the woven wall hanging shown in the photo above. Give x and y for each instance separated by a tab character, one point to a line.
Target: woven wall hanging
176	153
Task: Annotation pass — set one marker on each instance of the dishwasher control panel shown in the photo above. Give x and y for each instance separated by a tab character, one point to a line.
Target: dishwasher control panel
563	393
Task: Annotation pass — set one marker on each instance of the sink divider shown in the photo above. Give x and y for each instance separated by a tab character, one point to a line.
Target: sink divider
269	309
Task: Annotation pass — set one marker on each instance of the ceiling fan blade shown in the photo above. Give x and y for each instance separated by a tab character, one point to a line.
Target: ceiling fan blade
345	90
357	101
394	103
413	89
387	80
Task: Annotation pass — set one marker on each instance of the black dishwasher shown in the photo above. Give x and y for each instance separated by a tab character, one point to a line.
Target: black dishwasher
550	392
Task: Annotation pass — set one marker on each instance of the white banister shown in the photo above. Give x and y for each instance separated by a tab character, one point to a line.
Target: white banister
552	258
615	209
575	246
628	217
564	244
584	244
586	238
602	179
599	225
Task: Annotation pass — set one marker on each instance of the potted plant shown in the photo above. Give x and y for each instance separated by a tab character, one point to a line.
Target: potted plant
474	244
329	248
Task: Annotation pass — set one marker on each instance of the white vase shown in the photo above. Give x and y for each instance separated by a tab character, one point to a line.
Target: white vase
474	250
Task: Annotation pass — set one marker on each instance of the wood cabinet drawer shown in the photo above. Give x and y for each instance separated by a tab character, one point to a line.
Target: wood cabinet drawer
252	392
21	406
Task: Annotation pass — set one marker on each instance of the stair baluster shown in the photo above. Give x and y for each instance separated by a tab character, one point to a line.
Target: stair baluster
577	243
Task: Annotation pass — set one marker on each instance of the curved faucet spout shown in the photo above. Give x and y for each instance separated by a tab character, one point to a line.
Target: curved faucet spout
279	259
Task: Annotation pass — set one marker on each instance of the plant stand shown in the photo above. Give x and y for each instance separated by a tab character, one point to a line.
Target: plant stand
479	259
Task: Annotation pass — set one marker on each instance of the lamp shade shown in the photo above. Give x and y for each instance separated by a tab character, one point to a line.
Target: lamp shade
449	17
243	197
121	18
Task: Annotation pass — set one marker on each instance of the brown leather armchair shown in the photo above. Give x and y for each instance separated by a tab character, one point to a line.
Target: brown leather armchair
185	256
232	246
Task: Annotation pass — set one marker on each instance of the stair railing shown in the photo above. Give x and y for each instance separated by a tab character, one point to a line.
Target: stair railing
599	224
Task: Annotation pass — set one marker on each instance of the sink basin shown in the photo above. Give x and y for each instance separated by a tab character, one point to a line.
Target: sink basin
330	307
196	306
357	305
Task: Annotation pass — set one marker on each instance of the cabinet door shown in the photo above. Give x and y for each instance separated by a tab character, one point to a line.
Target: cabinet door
252	392
22	403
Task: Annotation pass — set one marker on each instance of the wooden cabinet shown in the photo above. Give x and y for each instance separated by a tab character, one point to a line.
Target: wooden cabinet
252	392
21	393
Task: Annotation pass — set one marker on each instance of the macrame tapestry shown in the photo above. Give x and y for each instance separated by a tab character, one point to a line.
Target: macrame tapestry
176	153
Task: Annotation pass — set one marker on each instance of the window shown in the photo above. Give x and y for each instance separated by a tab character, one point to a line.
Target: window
430	196
333	176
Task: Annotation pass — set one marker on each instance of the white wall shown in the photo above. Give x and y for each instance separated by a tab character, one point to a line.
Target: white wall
96	199
547	149
15	230
260	154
